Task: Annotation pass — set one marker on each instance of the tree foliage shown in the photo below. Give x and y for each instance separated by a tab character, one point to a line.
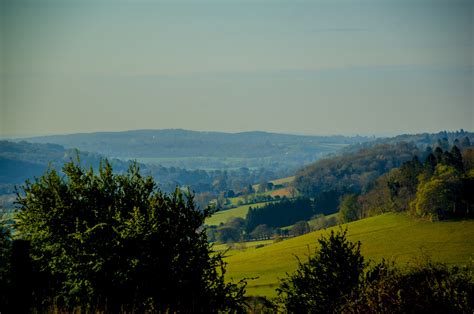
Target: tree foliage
300	228
322	283
350	208
280	214
440	187
113	242
424	288
354	172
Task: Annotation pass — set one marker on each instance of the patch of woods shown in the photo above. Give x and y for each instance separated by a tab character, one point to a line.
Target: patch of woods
434	181
439	187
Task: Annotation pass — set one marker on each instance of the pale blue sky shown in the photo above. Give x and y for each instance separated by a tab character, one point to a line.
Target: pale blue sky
315	67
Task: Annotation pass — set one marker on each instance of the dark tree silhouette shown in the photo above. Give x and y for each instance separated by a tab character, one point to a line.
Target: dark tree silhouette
321	284
113	242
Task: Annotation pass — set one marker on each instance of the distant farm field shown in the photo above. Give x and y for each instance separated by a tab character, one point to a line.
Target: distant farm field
396	237
225	215
236	248
282	181
286	180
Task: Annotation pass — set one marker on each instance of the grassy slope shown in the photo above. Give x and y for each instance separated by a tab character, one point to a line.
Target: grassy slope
391	236
223	216
237	248
284	181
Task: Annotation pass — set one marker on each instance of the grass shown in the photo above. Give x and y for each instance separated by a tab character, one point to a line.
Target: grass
286	180
282	181
396	237
236	200
285	191
224	215
236	248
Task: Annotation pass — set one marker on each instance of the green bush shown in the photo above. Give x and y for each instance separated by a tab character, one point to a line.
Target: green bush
322	283
424	288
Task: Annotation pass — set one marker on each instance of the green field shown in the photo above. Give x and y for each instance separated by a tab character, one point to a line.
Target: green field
286	180
225	215
396	237
236	248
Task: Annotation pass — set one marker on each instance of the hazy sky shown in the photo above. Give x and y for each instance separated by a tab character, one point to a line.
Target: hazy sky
315	67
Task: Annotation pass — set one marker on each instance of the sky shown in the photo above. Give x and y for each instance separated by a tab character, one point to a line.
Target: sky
305	67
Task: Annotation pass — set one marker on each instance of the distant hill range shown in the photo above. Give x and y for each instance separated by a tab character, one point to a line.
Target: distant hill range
184	143
231	160
20	161
283	153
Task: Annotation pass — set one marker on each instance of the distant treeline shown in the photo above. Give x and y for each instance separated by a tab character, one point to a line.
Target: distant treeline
443	139
280	214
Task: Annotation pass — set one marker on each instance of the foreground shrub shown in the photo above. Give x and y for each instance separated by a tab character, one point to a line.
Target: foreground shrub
322	283
425	288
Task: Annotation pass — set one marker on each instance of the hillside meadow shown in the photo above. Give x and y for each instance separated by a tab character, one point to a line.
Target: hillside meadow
396	237
237	212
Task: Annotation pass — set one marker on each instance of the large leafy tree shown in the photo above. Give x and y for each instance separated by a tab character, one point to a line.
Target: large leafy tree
114	242
350	208
438	195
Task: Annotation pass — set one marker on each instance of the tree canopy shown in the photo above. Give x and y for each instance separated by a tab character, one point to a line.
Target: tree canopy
114	242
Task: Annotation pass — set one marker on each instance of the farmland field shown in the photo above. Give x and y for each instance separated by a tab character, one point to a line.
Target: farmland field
396	237
286	180
282	181
236	248
225	215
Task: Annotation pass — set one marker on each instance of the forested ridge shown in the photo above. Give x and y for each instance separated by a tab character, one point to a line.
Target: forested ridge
356	172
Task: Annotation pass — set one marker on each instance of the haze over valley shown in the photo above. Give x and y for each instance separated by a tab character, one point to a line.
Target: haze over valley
236	156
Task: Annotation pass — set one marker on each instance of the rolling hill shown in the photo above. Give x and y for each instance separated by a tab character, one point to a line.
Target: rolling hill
391	236
206	150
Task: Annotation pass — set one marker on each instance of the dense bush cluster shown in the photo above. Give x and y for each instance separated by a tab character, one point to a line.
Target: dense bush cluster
321	284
